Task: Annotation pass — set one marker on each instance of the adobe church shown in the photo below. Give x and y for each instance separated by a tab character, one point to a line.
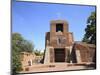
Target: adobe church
61	47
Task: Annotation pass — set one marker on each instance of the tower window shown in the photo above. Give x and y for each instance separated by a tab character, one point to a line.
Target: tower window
59	27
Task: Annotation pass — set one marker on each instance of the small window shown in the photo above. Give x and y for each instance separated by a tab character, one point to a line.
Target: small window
59	27
58	41
29	63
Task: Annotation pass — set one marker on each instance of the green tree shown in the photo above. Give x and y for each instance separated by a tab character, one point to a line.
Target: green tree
27	46
19	44
16	63
38	52
90	30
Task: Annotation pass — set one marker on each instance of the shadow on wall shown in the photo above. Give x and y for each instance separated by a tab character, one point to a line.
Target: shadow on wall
73	55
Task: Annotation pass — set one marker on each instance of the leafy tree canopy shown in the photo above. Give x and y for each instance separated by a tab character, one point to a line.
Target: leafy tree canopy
38	52
90	30
19	44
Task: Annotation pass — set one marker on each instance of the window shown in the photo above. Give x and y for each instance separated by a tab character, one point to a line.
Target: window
29	63
59	27
58	41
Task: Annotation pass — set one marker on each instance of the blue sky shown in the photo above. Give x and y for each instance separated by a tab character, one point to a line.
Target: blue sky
32	20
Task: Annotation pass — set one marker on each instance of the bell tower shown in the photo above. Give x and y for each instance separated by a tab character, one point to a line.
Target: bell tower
58	42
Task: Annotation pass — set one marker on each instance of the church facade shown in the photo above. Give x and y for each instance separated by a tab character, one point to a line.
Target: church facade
60	46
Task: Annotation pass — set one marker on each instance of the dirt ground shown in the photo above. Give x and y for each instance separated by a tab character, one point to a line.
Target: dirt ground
55	67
